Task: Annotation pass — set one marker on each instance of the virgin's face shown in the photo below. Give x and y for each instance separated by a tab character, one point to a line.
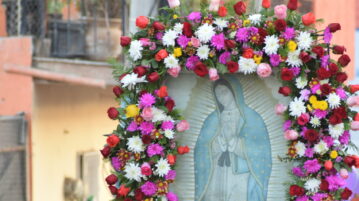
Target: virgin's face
224	95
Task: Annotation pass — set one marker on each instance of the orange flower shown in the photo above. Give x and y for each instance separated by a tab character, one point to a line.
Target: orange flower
171	159
162	92
123	191
161	55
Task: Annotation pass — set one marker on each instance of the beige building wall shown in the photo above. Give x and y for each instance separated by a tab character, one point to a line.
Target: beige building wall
67	120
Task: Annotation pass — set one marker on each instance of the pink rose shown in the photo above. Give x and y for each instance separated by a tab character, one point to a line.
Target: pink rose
344	173
264	70
353	101
290	135
174	71
354	125
147	114
173	3
214	5
303	119
146	169
145	41
213	74
280	11
280	108
195	42
182	126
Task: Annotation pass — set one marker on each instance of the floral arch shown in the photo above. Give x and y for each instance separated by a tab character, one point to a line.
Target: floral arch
275	42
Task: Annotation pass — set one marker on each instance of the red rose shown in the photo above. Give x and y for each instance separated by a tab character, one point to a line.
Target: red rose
105	151
113	190
200	69
344	60
280	24
187	29
230	44
325	89
146	139
111	179
346	194
324	185
319	51
222	11
356	117
335	119
323	73
311	135
183	150
112	113
286	74
308	19
170	103
353	88
123	191
333	68
161	55
341	112
349	160
248	53
139	195
171	159
266	3
122	76
341	77
158	26
292	5
337	49
142	22
296	190
285	91
232	66
305	57
153	77
125	40
112	140
140	71
117	91
162	92
303	119
146	170
263	33
240	8
333	27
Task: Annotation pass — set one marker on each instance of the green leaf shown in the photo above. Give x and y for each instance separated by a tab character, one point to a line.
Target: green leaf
221	68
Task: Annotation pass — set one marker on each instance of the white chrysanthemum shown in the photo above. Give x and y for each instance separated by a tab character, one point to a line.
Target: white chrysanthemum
300	148
205	33
336	130
301	82
272	44
312	185
232	35
178	28
169	38
169	134
321	148
247	66
255	19
221	23
130	80
171	61
333	100
158	114
202	52
133	172
304	41
135	50
135	144
162	167
293	59
296	107
315	121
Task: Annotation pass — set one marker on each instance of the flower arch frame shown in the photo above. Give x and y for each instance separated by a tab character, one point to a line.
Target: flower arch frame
275	42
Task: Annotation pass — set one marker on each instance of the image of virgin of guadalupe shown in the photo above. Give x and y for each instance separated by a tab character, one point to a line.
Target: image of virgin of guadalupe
233	153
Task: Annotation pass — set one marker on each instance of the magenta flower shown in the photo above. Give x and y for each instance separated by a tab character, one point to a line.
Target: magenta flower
191	62
147	100
297	171
335	182
146	127
304	94
195	16
242	35
345	138
328	140
320	113
309	153
217	41
341	93
167	125
154	149
171	196
274	60
324	61
327	35
295	70
182	40
132	127
159	35
289	33
319	196
116	163
224	57
287	124
149	188
312	166
302	198
171	175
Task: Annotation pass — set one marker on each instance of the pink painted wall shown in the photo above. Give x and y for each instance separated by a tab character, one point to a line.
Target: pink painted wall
2	20
343	12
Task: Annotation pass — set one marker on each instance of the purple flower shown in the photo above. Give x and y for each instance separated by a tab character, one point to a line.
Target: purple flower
149	188
171	175
242	35
224	57
289	33
167	125
171	196
335	182
295	70
341	93
328	140
304	94
116	163
191	62
287	124
217	41
345	138
154	149
320	114
324	60
327	35
146	127
312	166
132	127
297	171
182	40
159	35
253	30
274	60
309	152
195	16
147	100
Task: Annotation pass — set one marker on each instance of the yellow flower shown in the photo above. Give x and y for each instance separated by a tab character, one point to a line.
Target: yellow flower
246	22
177	52
292	46
333	154
312	99
309	107
175	16
323	105
132	111
257	59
